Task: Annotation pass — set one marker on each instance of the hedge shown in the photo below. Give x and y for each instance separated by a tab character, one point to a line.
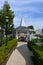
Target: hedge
38	54
31	43
4	50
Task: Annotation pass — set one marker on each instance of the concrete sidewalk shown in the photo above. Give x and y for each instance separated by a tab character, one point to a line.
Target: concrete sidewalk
21	55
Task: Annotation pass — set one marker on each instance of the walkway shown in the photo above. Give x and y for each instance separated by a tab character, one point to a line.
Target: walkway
21	55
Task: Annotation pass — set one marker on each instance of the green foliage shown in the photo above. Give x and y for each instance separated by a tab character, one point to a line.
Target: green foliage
6	12
9	13
7	25
32	42
31	27
41	40
37	51
4	50
38	54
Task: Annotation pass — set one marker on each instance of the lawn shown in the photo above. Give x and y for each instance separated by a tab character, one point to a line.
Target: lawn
4	50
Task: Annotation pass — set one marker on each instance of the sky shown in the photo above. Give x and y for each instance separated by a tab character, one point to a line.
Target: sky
31	10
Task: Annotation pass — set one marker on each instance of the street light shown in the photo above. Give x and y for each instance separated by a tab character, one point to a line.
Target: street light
6	28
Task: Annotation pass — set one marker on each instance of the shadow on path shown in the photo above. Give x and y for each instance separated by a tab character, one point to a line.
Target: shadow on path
26	53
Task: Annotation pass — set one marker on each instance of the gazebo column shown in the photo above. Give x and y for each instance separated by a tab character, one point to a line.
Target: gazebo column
16	35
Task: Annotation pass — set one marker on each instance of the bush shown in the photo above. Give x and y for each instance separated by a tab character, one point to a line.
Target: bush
4	50
37	51
41	40
38	54
31	43
0	43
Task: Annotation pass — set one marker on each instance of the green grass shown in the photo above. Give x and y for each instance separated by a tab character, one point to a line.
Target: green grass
4	50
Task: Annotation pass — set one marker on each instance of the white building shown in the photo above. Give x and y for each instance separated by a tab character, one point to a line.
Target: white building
39	33
24	33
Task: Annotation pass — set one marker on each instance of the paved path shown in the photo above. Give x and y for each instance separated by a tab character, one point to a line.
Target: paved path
21	55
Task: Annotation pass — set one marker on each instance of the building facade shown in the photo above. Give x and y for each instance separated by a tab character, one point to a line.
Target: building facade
39	33
24	33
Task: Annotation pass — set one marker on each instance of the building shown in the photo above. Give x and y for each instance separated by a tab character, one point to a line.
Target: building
24	33
39	33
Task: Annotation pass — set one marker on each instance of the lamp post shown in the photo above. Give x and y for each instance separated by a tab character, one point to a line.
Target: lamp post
6	28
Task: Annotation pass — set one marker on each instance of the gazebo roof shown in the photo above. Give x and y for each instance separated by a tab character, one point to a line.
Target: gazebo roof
25	29
21	27
22	23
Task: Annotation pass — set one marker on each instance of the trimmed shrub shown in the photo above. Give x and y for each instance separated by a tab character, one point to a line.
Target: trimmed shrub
38	54
31	43
37	51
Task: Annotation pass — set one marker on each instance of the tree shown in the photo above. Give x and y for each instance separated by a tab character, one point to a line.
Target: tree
1	25
9	13
31	27
6	12
1	19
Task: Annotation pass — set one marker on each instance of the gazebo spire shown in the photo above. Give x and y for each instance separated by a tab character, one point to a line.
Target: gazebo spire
22	23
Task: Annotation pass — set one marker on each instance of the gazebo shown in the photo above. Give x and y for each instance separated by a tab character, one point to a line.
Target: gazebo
22	32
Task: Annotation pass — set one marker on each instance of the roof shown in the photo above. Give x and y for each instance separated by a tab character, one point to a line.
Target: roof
22	23
23	28
40	35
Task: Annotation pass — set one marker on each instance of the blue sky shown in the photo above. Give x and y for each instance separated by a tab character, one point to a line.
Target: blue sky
31	10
